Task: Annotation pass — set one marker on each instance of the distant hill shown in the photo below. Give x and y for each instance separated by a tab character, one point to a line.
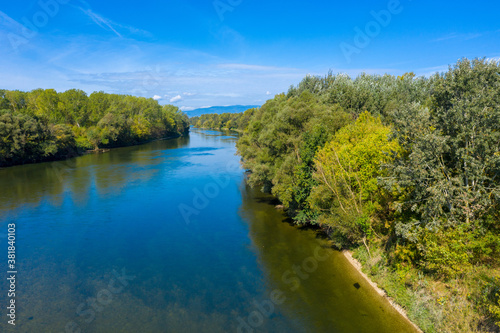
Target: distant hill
220	109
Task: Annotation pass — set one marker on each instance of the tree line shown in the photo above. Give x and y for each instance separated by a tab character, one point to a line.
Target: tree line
43	124
409	165
224	121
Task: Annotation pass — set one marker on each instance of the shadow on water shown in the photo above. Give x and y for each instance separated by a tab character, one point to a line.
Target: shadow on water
318	284
307	227
275	203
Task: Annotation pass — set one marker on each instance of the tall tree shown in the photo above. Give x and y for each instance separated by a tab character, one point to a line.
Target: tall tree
73	105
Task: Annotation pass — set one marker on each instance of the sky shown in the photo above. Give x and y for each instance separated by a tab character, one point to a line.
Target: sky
205	53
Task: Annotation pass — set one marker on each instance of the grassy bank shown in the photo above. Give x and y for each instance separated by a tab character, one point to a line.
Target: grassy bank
434	305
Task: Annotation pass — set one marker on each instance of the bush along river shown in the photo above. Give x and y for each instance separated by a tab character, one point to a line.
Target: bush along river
166	237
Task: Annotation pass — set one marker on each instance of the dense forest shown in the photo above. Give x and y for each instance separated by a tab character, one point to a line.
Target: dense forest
43	125
405	171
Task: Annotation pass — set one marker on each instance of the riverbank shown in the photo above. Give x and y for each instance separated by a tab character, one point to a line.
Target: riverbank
359	267
137	143
222	129
430	303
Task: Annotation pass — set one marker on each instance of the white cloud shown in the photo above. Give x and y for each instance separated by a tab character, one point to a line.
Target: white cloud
429	71
268	93
176	99
222	95
187	108
92	65
156	97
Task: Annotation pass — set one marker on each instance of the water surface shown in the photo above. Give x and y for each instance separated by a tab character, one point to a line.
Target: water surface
166	237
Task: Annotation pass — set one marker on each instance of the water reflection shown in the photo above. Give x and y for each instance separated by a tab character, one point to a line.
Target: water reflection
107	173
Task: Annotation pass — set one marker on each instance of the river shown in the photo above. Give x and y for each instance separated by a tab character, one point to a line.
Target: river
166	237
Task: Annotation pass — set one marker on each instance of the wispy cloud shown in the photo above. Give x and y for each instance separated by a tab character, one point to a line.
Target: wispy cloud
9	23
101	21
463	36
110	25
253	67
188	77
222	95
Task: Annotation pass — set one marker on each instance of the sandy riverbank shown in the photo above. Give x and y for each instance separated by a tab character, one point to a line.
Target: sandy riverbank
357	265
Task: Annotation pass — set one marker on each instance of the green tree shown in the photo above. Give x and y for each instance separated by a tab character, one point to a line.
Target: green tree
450	171
347	169
47	106
73	106
23	139
98	105
16	100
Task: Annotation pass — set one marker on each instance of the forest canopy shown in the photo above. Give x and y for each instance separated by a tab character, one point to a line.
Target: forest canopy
42	124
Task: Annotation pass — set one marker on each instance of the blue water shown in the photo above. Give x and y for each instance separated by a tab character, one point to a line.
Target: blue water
166	237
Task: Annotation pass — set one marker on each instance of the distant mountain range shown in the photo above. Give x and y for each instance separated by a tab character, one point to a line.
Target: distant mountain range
220	109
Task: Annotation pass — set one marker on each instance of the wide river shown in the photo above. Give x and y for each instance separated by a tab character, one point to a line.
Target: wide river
166	237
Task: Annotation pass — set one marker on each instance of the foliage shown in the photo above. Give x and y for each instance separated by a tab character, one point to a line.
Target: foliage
44	125
494	298
373	93
447	178
452	252
279	144
229	121
27	139
347	169
452	164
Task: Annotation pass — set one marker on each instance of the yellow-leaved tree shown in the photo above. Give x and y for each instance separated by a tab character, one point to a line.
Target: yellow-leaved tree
346	170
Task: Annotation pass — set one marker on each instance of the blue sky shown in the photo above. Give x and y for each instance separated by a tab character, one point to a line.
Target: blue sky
225	52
